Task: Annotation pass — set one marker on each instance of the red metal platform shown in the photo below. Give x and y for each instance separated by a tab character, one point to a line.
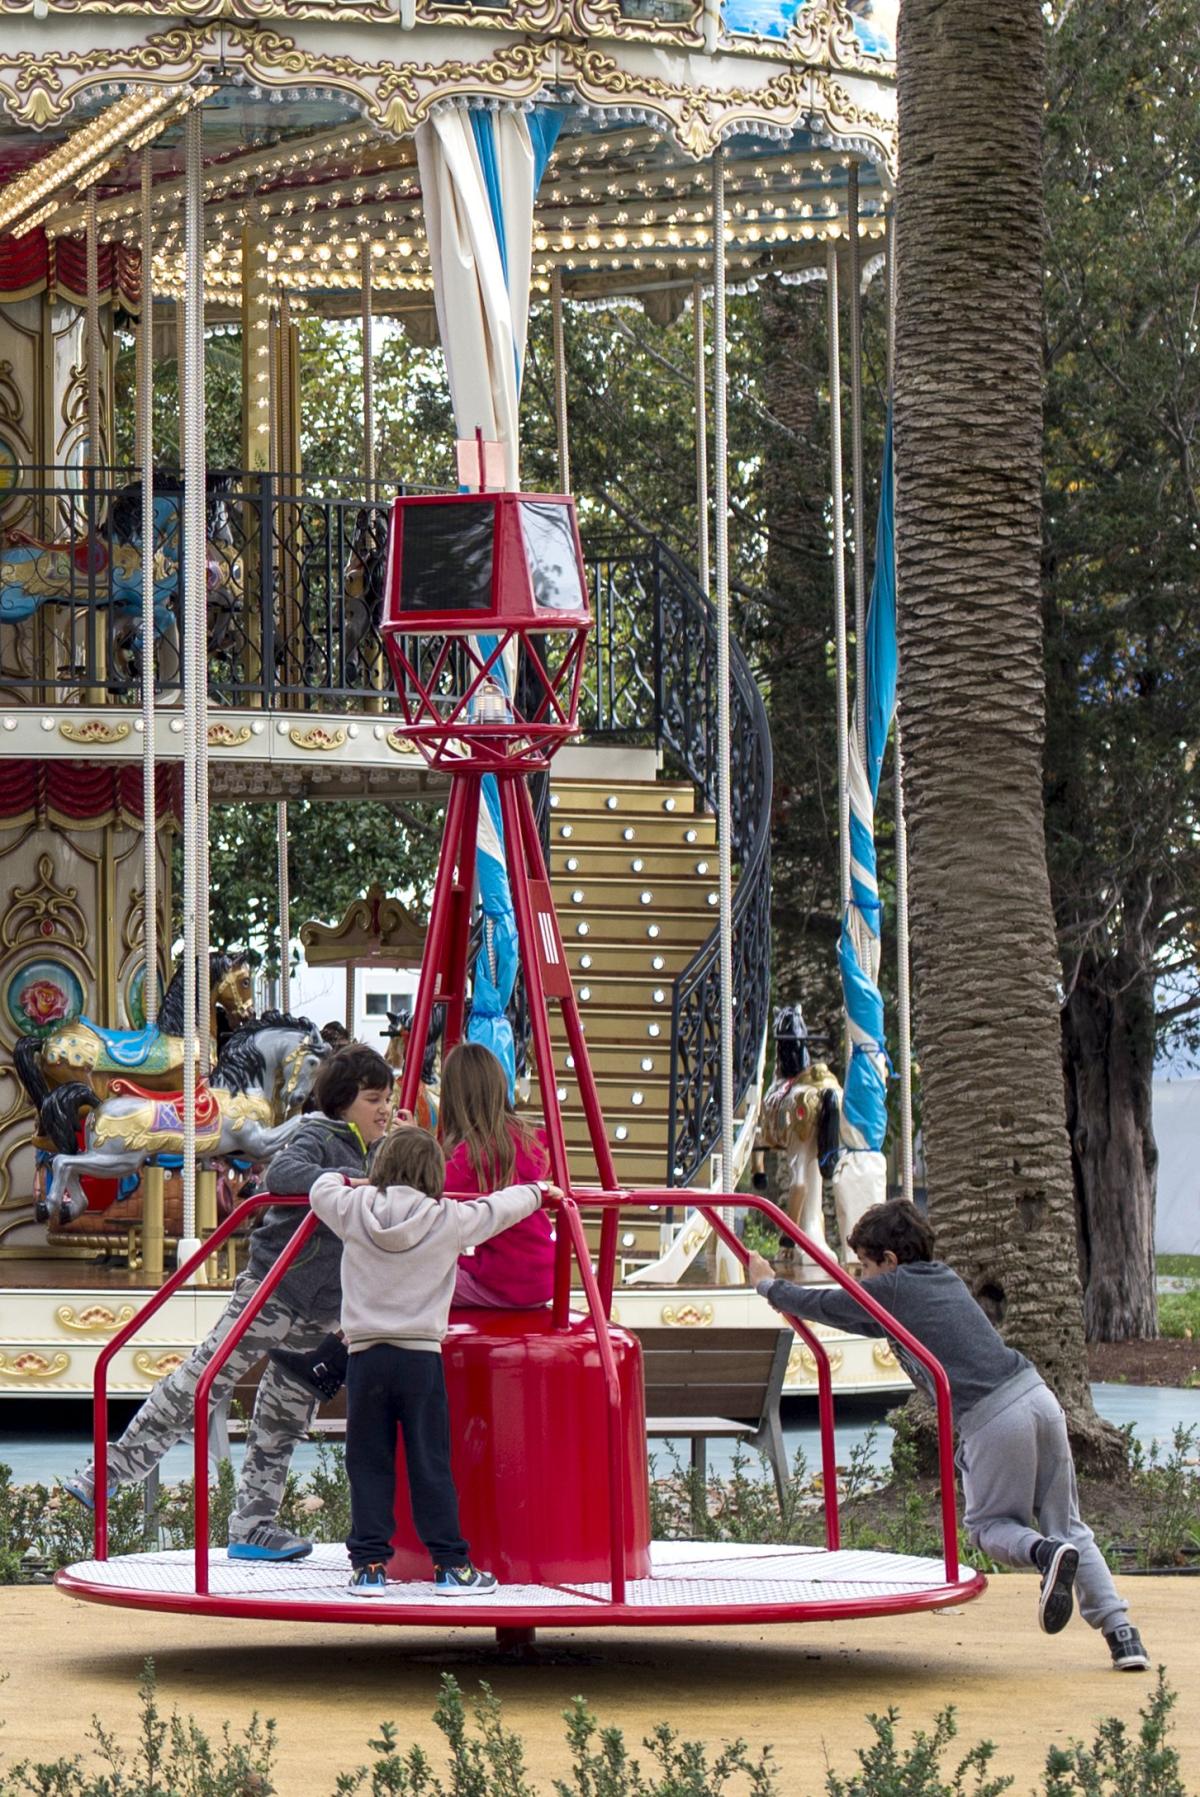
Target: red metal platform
689	1583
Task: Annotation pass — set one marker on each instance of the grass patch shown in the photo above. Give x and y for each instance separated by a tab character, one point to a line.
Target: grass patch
1177	1266
1179	1314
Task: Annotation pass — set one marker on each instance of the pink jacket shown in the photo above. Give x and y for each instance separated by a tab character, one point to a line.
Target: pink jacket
517	1267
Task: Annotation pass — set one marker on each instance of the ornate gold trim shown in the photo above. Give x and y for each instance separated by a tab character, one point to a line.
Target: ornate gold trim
884	1356
44	913
361	12
93	1319
224	736
151	1368
399	743
802	1363
687	1316
30	1365
318	737
374	928
94	732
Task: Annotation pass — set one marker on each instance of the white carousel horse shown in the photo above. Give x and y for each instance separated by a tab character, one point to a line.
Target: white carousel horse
801	1116
264	1072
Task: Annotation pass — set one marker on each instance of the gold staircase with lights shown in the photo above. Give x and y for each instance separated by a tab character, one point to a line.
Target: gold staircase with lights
633	866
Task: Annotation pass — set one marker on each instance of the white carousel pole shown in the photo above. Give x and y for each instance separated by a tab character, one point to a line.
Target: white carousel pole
368	356
724	765
145	415
285	907
561	421
701	402
153	1245
839	573
854	277
903	970
191	434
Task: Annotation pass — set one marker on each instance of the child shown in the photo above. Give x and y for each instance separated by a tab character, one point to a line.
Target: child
487	1145
1013	1452
402	1242
352	1091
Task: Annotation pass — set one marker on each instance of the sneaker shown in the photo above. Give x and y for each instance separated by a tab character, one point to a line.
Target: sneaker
1058	1562
1125	1646
266	1542
320	1370
463	1581
368	1581
80	1487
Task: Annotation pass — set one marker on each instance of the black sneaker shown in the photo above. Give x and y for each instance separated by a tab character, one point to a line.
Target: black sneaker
369	1581
321	1370
463	1581
1058	1562
1125	1646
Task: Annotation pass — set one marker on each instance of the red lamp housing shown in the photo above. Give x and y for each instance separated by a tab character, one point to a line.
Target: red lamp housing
486	621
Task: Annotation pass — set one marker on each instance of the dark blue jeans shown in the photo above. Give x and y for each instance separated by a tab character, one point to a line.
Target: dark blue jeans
388	1386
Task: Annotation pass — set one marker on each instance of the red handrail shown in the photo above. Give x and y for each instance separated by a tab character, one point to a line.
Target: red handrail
154	1303
941	1385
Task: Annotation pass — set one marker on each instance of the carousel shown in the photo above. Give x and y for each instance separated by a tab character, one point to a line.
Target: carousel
170	637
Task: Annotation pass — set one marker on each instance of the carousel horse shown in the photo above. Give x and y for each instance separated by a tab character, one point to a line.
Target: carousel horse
263	1075
86	1050
801	1115
425	1112
105	569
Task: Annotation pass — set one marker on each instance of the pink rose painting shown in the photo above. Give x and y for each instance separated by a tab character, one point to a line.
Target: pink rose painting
43	1002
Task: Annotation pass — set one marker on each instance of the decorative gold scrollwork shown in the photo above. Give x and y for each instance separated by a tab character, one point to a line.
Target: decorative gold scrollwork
687	1316
225	736
155	1367
30	1365
802	1363
317	737
93	1319
43	912
94	732
883	1354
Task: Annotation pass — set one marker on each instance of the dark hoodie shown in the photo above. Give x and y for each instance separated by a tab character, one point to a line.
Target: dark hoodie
312	1287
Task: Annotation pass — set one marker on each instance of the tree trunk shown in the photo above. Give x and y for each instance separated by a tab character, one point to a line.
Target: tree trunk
1108	1059
968	460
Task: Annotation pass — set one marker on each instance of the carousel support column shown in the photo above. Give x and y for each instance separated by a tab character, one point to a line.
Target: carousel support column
257	447
195	895
285	907
145	434
702	563
724	764
287	466
93	357
854	278
561	419
153	1227
903	972
839	575
372	652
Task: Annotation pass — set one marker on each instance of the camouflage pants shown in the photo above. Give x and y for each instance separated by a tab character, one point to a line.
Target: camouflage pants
282	1408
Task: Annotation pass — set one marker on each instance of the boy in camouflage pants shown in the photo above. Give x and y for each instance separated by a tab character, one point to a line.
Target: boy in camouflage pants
352	1091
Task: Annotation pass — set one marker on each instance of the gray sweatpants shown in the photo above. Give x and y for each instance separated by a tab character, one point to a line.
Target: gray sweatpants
282	1408
1017	1469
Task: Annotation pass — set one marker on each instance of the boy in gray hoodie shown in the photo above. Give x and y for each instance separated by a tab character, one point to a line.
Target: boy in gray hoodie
1013	1452
401	1242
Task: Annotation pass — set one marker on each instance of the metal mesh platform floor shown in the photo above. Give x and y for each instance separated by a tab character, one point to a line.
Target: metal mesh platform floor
690	1582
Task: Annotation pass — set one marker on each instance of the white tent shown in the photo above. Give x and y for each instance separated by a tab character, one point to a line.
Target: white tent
1177	1132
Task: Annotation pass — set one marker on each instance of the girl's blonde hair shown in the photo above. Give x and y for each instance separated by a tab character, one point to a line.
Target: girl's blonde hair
474	1107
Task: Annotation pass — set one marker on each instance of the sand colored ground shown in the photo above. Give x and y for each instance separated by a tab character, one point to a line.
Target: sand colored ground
804	1689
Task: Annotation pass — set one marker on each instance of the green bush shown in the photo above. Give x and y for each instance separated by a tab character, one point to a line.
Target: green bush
173	1757
1179	1314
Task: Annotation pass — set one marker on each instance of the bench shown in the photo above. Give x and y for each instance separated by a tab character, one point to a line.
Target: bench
718	1384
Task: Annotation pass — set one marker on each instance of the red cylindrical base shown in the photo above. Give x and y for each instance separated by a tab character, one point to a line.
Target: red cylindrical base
529	1432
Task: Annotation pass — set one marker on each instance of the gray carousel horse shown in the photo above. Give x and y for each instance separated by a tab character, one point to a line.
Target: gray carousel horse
249	1107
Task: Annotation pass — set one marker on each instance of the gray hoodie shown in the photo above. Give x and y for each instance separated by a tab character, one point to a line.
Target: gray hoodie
401	1254
313	1284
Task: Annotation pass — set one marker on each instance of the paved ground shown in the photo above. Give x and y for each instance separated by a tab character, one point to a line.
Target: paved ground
804	1689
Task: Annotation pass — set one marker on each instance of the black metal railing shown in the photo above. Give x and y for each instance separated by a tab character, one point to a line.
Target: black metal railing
652	675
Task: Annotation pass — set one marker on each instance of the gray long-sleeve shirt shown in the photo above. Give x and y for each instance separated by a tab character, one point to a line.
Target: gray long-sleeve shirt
934	1305
313	1283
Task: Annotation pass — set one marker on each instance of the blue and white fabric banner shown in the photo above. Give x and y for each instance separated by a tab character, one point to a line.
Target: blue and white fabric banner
480	170
864	1100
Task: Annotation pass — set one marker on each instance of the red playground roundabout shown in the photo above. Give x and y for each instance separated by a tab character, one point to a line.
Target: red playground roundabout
550	1440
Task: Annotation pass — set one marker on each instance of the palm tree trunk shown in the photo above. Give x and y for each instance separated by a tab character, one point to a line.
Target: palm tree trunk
968	458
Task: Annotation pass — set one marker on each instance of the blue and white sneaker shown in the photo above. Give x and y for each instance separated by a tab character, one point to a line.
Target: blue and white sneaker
463	1581
266	1542
81	1488
368	1581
